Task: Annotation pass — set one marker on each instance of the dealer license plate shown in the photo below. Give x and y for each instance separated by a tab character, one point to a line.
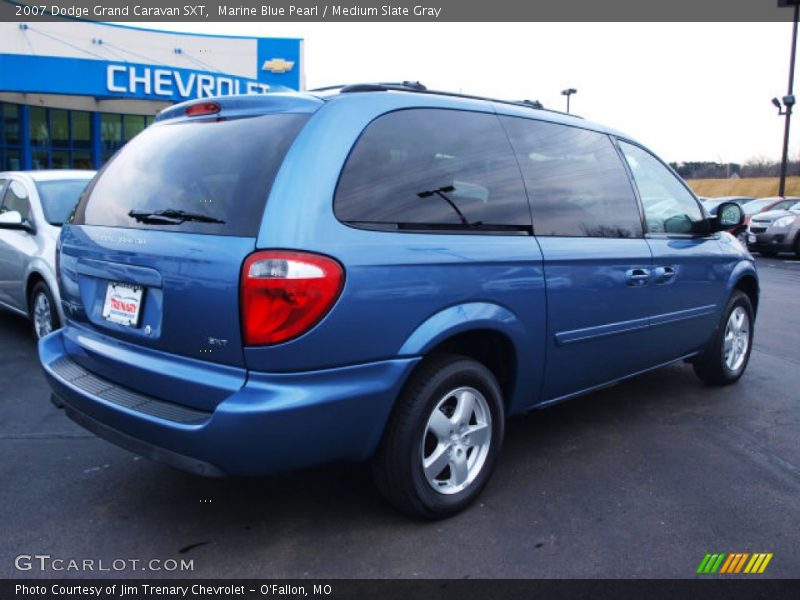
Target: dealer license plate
123	303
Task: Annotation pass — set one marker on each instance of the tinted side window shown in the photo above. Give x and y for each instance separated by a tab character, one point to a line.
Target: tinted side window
575	179
432	167
16	198
668	205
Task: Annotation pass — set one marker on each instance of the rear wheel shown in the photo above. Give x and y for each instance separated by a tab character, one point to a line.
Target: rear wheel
726	358
443	438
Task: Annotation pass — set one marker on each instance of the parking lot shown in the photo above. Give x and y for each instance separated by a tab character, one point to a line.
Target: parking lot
639	480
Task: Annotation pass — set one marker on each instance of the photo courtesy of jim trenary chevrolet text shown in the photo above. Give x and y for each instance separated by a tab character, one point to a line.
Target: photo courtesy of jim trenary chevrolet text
429	298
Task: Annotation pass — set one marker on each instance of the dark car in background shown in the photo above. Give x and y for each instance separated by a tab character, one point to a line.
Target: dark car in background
775	231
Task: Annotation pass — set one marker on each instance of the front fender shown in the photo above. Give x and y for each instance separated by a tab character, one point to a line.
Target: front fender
743	268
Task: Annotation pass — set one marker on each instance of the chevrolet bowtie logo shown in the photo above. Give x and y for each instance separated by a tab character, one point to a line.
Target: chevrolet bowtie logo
278	65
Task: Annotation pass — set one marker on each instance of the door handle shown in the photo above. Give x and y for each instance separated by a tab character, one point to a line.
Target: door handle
637	277
664	274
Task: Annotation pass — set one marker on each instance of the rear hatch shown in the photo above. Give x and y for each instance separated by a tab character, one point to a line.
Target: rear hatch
151	261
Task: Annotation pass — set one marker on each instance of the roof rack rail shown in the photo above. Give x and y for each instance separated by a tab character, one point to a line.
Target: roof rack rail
532	103
406	86
416	86
327	88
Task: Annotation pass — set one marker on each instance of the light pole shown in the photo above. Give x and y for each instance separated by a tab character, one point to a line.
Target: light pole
569	91
788	99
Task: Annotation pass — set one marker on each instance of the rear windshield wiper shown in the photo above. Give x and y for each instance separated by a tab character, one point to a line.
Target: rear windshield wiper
170	216
442	193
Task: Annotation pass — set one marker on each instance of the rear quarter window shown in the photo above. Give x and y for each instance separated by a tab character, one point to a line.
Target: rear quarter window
218	170
432	169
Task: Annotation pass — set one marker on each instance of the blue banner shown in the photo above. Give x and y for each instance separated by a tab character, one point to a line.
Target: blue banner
279	69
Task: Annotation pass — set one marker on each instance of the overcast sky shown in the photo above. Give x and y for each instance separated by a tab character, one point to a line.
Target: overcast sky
690	91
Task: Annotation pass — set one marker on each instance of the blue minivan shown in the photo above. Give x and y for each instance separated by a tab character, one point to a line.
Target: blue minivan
380	272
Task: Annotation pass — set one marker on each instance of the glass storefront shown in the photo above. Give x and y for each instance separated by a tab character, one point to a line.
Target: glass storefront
10	137
115	130
63	139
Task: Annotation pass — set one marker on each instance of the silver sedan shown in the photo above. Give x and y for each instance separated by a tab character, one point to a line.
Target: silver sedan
33	206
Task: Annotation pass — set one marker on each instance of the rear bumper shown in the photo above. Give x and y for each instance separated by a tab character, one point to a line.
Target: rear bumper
275	422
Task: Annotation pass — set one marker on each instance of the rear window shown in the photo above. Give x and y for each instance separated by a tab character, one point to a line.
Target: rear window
208	177
59	198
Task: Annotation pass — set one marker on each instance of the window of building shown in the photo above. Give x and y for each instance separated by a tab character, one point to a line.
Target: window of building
433	169
116	130
59	128
10	137
668	205
60	139
132	126
575	179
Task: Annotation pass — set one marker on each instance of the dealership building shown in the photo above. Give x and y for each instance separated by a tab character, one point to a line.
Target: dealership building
73	92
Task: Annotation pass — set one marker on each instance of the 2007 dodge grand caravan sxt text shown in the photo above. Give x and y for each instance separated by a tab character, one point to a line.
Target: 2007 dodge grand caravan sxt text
380	272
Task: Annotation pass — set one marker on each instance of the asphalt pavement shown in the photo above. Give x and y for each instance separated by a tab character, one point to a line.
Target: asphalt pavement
639	480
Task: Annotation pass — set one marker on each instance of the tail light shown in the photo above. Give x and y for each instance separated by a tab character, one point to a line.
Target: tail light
284	294
202	108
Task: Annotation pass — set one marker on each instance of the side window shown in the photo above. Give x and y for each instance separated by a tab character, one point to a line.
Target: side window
668	205
16	198
575	179
432	168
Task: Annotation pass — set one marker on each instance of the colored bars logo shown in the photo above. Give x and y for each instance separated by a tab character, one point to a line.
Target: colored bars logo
734	563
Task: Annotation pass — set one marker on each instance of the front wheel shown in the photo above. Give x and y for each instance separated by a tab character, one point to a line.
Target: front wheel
43	311
443	438
725	360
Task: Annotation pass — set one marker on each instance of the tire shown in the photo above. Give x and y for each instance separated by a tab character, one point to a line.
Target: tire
797	246
716	366
42	310
425	424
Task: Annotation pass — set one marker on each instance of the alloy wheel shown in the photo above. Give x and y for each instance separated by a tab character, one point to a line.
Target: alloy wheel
456	440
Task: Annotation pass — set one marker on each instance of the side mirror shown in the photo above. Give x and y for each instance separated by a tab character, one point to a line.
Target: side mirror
729	214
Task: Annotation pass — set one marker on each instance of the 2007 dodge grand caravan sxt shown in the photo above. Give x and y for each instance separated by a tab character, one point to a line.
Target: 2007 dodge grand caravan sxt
380	272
